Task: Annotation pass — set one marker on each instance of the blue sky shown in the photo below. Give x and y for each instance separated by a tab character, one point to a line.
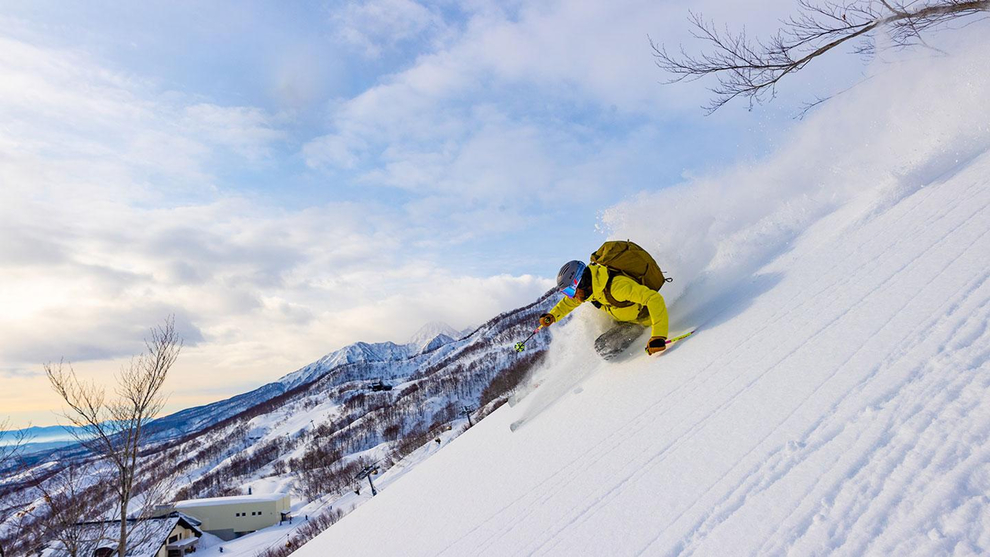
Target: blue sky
287	178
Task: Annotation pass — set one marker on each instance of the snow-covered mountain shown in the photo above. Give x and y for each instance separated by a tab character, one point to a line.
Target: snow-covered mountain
40	439
359	352
433	335
430	337
43	434
835	400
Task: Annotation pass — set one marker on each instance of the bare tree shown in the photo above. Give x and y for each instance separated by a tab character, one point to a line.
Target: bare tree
10	453
12	448
15	507
71	497
753	68
77	495
112	429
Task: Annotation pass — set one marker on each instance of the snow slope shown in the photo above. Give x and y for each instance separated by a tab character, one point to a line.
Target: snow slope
836	399
432	336
430	332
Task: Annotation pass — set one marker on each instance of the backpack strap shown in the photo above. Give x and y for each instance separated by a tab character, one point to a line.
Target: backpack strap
608	292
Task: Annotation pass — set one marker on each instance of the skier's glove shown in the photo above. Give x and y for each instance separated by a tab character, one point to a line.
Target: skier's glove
656	344
546	320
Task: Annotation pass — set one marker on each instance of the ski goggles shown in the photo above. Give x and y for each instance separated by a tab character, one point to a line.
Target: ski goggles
571	289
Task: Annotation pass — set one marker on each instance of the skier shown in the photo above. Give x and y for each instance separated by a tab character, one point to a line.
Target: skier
621	297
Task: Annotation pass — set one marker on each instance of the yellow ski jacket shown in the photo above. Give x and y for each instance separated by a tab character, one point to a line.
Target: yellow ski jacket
648	307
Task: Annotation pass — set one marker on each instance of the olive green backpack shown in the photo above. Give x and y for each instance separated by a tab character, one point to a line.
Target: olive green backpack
628	259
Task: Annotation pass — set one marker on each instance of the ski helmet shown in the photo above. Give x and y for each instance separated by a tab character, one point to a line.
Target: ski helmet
569	277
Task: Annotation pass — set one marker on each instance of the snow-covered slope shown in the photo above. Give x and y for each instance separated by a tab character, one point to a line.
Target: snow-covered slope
426	337
836	398
430	337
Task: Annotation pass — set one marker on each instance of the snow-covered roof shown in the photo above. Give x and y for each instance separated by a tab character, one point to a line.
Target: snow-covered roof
232	500
182	544
149	534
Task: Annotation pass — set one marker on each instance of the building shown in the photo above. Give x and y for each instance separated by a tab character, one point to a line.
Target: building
232	517
173	535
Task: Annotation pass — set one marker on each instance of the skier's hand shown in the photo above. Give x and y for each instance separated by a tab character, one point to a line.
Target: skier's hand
656	344
546	320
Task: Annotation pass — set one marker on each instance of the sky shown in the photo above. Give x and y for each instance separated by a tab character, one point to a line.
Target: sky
288	178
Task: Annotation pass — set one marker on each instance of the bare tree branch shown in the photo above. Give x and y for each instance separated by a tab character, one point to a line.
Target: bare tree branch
752	69
70	500
10	455
113	429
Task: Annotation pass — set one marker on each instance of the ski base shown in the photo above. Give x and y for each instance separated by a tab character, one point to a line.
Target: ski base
616	340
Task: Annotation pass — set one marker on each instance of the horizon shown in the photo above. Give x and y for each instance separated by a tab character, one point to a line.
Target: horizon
6	434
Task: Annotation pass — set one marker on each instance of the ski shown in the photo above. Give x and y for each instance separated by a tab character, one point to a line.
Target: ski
614	345
614	342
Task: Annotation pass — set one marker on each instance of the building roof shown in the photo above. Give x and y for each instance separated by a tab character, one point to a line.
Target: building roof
233	500
182	544
151	532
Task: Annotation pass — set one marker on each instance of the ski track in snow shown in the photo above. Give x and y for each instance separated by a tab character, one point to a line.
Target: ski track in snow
770	470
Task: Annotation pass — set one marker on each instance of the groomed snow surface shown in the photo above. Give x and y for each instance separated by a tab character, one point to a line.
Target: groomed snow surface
836	399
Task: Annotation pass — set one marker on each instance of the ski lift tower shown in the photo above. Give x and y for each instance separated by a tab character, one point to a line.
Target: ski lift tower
366	473
467	412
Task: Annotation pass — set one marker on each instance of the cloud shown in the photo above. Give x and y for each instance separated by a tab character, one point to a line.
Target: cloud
86	265
521	113
340	151
107	135
378	26
247	131
252	289
81	332
565	52
439	296
18	373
